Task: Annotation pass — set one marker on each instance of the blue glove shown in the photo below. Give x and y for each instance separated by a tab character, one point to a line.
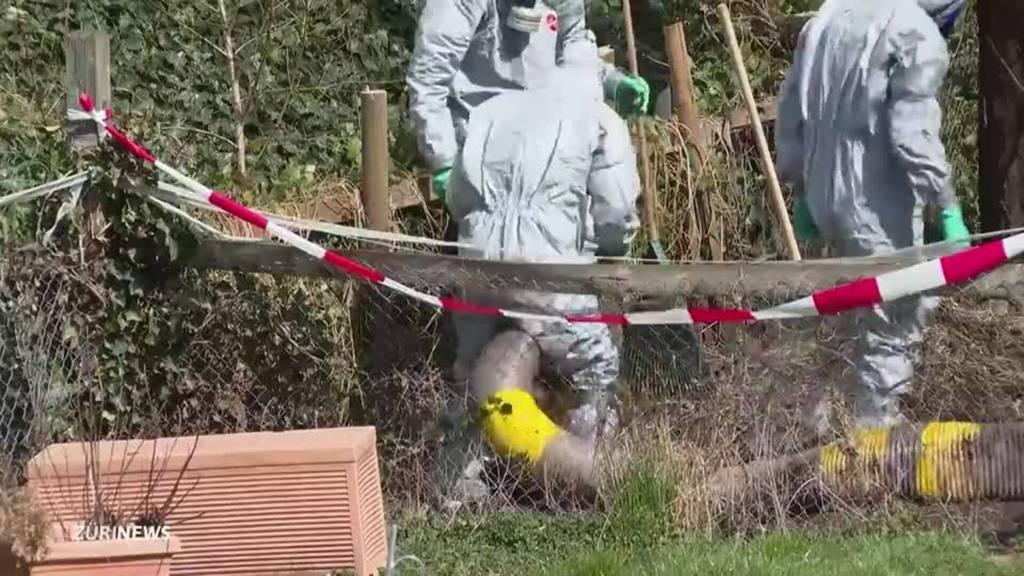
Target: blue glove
803	222
632	95
441	178
953	227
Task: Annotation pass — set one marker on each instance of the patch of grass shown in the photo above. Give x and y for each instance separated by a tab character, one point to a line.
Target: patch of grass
780	555
501	543
527	544
642	503
636	534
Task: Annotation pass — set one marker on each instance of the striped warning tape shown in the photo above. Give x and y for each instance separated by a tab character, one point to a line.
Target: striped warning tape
947	270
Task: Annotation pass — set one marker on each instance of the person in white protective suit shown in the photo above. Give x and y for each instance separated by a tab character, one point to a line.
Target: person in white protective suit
546	174
470	50
858	139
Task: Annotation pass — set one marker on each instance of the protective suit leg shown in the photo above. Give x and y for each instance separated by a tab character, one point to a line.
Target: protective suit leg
889	337
461	460
595	385
463	455
586	355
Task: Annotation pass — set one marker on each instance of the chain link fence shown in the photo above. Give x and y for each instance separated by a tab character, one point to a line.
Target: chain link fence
46	353
215	351
251	352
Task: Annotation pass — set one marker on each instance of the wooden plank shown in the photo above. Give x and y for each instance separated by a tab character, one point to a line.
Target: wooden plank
1001	130
630	282
767	108
790	25
413	192
341	207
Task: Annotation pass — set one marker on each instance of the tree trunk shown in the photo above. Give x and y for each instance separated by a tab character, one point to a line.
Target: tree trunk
1001	114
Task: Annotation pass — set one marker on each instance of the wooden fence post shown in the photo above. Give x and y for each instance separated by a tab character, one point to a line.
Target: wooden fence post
87	59
384	325
87	62
375	193
683	103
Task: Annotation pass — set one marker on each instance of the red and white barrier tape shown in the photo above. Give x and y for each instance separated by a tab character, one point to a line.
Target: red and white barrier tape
947	270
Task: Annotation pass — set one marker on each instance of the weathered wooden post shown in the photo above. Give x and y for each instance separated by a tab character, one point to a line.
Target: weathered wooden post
685	108
87	59
376	160
683	103
386	330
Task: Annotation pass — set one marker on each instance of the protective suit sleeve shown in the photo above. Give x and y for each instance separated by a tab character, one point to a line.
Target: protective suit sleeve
611	77
789	134
919	64
578	47
445	31
614	185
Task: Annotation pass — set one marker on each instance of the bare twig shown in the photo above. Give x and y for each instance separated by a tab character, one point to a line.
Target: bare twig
208	133
236	92
1006	66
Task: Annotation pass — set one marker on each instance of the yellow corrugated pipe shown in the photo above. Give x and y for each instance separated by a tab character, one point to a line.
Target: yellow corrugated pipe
939	460
512	422
946	461
515	426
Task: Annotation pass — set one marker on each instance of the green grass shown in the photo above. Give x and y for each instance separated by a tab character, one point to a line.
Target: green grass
780	555
524	544
636	536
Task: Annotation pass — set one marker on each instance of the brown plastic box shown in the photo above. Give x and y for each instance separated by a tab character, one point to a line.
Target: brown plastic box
257	503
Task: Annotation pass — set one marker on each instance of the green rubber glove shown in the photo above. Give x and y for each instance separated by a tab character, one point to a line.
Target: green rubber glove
953	227
803	223
441	178
632	95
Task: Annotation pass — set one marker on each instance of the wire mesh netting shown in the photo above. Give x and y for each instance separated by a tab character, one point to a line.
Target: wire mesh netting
88	350
231	351
46	354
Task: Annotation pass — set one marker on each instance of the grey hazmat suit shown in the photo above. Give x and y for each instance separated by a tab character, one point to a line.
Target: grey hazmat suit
546	174
466	53
858	138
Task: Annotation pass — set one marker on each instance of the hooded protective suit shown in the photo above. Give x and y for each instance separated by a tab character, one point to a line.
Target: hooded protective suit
467	51
858	138
546	174
543	173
